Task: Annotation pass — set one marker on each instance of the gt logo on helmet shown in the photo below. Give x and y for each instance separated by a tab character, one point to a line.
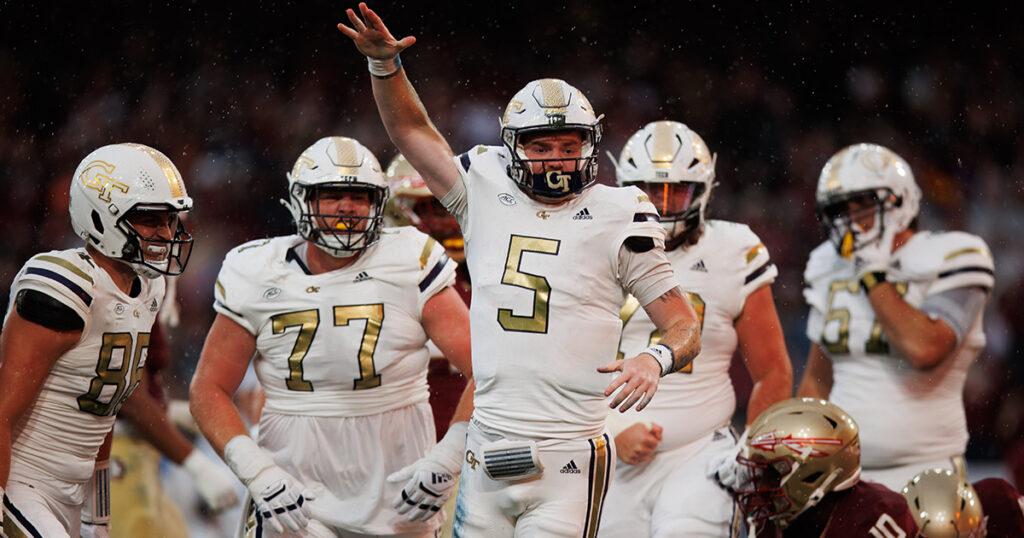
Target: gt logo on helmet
96	177
558	181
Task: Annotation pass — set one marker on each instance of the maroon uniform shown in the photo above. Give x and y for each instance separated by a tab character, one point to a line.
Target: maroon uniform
867	510
1003	507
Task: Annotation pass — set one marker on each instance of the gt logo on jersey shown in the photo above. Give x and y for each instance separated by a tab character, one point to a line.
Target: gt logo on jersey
96	176
557	180
800	445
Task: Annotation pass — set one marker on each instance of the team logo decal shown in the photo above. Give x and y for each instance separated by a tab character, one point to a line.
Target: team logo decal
557	181
313	289
96	176
471	459
543	214
800	445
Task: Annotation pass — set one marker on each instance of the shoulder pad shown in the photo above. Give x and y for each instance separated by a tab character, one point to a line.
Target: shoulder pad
823	261
41	309
952	259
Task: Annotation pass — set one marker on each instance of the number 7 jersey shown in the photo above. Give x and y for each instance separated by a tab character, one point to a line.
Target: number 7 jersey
349	342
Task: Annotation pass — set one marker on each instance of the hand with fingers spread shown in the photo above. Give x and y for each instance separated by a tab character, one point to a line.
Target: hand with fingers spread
279	497
638	378
370	35
431	479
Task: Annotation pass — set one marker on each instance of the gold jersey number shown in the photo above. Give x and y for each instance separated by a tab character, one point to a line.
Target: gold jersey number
309	320
537	322
124	377
841	345
632	305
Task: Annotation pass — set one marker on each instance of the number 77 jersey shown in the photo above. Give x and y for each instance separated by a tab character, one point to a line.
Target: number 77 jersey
547	289
349	342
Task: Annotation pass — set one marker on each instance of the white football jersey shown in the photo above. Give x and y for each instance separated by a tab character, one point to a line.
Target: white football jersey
547	289
56	442
905	415
727	264
349	342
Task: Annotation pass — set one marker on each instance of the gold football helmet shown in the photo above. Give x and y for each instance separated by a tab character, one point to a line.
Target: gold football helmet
945	505
798	450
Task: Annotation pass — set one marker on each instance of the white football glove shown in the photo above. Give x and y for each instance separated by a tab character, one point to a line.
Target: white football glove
875	256
279	498
724	469
216	486
430	479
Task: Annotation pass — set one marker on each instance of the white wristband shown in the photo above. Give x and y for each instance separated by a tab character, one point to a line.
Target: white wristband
384	68
245	458
663	354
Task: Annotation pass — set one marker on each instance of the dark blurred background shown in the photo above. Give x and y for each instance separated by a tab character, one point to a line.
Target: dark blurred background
234	92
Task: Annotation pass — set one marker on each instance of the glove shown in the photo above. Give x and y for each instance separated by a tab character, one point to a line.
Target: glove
279	498
95	530
875	256
215	485
726	470
431	478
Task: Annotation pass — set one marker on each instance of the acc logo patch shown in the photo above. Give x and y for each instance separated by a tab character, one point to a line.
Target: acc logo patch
271	293
507	199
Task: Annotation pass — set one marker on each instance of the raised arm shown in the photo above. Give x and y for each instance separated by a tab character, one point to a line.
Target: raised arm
400	108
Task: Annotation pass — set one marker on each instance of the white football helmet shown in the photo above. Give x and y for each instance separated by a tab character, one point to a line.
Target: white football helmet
119	181
798	450
548	106
412	204
674	166
336	163
945	505
868	176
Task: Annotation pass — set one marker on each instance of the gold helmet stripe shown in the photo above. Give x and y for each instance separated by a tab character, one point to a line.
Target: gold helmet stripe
663	147
174	181
552	94
345	155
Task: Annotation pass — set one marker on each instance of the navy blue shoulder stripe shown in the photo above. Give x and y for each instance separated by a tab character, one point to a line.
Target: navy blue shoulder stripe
464	159
646	217
970	269
75	288
758	272
436	270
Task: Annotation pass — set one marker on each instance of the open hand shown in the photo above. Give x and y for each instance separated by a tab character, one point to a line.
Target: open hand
638	378
370	35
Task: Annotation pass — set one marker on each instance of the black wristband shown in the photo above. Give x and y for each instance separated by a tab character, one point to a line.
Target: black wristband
868	281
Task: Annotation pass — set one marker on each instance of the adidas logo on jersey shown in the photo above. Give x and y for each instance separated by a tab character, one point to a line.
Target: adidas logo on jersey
570	468
362	276
584	214
699	267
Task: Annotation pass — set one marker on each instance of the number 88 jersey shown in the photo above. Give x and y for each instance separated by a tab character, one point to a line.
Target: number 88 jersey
349	342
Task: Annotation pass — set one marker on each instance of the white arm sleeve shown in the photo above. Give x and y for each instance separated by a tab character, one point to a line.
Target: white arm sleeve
646	275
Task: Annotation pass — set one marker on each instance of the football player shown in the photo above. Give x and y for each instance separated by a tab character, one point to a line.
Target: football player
800	476
946	505
338	317
660	486
553	256
895	315
75	339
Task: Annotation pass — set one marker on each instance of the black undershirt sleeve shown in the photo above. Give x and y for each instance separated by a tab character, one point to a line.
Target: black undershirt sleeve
40	308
